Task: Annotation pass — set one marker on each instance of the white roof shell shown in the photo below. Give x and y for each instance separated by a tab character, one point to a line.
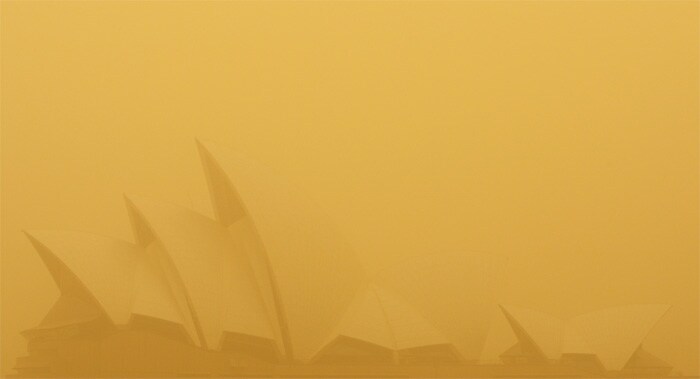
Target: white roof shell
612	334
300	259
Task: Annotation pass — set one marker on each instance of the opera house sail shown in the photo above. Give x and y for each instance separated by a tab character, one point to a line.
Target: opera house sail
269	288
607	340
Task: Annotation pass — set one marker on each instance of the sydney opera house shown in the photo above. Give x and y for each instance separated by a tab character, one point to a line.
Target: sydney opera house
269	288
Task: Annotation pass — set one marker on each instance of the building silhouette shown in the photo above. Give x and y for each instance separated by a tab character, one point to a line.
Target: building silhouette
269	288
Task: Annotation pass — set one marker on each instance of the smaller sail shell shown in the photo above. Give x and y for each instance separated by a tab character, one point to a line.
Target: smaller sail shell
103	267
221	290
613	335
115	277
380	318
616	333
455	291
545	331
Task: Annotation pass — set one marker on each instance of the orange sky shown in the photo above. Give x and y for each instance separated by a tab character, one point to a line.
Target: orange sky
562	135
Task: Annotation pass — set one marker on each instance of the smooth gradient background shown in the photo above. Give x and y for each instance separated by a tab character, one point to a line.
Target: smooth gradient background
562	135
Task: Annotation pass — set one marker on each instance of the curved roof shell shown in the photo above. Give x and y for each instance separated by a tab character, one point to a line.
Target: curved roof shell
297	250
216	279
455	291
543	330
612	334
381	317
101	266
114	276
